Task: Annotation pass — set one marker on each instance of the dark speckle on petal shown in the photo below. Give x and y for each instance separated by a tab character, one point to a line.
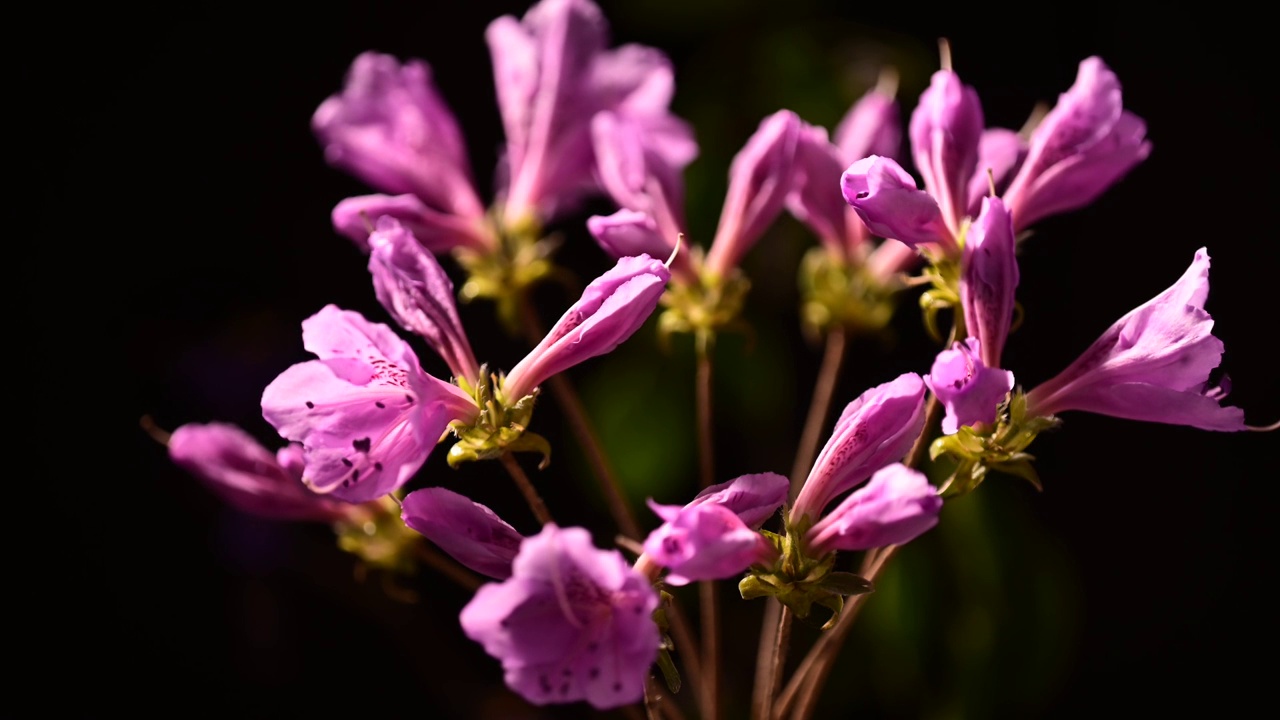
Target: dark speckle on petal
310	405
380	405
361	445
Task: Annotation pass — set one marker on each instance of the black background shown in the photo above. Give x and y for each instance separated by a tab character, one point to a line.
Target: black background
179	175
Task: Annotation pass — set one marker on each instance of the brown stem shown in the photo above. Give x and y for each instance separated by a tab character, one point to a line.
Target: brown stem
777	660
531	496
571	404
447	566
709	690
806	684
819	406
686	648
764	657
706	435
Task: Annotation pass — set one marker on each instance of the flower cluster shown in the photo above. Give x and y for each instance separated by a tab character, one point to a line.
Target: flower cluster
567	620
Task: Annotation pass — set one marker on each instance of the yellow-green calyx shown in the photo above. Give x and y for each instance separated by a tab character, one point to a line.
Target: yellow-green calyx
704	308
799	581
499	428
836	293
379	537
1003	448
521	259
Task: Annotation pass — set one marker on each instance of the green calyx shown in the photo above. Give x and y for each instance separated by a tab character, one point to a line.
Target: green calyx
836	293
379	537
799	581
499	428
521	259
943	276
702	309
1002	448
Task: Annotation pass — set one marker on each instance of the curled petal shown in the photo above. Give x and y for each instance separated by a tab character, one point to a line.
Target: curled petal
572	623
415	290
704	541
470	532
989	278
877	428
1153	364
969	390
247	475
1000	154
897	506
888	201
610	310
628	233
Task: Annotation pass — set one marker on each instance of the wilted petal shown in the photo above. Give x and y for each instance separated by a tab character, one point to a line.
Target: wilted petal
704	541
248	476
897	506
610	310
365	413
1000	154
390	128
1153	364
888	201
415	290
877	428
946	128
1084	145
438	232
571	623
636	175
754	498
969	390
989	278
470	532
760	178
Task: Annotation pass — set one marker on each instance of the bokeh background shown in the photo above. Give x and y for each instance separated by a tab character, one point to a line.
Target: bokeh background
1134	582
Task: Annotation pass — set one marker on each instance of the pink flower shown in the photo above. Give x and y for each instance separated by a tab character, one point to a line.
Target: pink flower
969	390
897	506
573	622
471	533
365	413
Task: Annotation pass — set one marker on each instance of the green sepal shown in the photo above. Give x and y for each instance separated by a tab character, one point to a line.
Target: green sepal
846	584
835	604
670	674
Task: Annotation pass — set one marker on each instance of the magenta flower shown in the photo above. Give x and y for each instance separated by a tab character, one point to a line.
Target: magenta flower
470	532
988	279
390	128
1082	147
553	75
639	176
628	233
871	127
573	622
877	428
946	128
714	535
897	506
760	177
246	475
415	290
1153	364
969	390
365	413
610	310
888	201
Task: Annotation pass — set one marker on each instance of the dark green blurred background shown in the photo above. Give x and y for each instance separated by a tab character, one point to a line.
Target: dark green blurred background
1134	583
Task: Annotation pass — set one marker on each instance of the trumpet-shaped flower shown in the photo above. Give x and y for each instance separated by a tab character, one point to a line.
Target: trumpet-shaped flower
877	428
988	279
573	622
895	507
365	412
969	390
1153	364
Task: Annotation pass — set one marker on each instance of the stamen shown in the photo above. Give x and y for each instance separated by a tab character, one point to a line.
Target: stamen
155	431
944	54
1264	428
991	181
887	83
675	250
